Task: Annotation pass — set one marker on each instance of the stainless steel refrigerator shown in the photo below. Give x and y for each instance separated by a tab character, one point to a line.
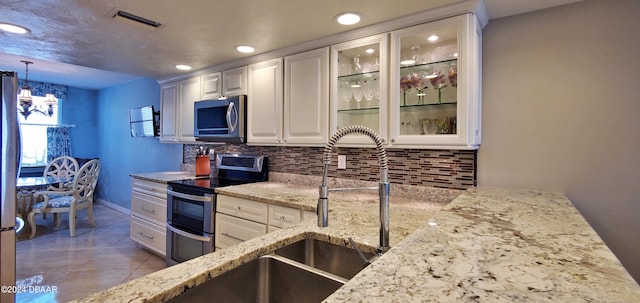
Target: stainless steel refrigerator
9	170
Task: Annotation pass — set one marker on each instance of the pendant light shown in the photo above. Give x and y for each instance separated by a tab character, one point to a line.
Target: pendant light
26	100
25	92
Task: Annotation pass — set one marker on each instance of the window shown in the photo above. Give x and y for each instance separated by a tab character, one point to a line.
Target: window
34	135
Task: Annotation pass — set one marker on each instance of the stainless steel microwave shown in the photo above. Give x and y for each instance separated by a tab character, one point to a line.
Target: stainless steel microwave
221	120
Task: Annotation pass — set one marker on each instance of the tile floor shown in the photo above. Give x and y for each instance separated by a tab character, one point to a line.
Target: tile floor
96	259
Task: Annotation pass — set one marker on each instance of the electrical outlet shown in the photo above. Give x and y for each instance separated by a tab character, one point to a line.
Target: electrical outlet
342	162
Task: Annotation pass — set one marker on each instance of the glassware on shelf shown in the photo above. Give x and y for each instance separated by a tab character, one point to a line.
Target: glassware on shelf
368	91
453	75
438	82
405	85
418	82
358	93
357	68
345	91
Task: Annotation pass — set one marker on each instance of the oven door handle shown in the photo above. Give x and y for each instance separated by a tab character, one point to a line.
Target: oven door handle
188	235
206	198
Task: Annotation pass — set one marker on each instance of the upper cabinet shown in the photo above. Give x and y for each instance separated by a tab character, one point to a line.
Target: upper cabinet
306	98
189	92
176	110
294	111
168	112
435	85
211	86
359	83
264	108
234	81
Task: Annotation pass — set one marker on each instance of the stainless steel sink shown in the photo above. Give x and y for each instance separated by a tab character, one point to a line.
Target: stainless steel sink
335	259
266	279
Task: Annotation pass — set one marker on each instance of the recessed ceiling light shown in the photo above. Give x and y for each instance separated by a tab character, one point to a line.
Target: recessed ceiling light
433	38
12	28
245	49
348	18
183	67
370	50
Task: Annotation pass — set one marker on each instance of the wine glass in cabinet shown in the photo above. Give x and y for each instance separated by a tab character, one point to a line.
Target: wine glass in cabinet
359	84
434	84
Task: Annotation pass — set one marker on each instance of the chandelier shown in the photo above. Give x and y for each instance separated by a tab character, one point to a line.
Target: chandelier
26	100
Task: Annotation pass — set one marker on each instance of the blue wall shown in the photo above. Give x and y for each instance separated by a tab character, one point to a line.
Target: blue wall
80	109
119	153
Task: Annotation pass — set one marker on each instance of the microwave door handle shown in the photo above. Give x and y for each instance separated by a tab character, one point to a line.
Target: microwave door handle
231	109
187	234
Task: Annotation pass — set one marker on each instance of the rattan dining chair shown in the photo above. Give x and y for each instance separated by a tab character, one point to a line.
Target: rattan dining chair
78	196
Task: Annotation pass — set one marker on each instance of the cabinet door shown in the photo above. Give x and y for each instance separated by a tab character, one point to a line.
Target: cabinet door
169	112
212	86
189	93
306	98
435	100
231	230
234	81
264	106
359	87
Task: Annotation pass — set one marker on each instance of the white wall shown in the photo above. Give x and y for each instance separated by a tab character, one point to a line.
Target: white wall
561	112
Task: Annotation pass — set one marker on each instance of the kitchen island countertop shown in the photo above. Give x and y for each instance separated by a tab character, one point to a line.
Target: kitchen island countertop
487	245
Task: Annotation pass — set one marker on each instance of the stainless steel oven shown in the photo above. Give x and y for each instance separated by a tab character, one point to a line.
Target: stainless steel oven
190	227
191	205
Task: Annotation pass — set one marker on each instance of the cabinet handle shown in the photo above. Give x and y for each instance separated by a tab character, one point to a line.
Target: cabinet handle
232	237
146	187
392	140
237	207
282	218
144	235
153	211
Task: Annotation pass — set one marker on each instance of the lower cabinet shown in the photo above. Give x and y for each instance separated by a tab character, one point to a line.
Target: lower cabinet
149	214
238	220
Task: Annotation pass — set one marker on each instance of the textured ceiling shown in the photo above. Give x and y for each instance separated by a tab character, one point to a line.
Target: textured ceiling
67	36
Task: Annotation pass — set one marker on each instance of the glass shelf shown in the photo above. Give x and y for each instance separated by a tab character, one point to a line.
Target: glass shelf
407	107
426	66
360	76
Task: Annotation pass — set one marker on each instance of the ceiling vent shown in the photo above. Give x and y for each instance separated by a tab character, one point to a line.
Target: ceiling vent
130	18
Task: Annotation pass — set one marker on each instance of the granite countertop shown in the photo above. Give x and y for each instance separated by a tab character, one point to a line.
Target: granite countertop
164	177
487	245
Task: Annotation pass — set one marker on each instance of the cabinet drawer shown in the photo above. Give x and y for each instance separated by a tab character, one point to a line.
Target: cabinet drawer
149	207
150	188
242	208
309	214
231	230
271	228
149	235
280	216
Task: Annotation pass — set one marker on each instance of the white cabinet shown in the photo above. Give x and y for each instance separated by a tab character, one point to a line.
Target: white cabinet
294	111
306	98
176	110
189	92
149	214
264	108
211	86
178	97
359	81
234	81
168	111
238	219
435	97
281	216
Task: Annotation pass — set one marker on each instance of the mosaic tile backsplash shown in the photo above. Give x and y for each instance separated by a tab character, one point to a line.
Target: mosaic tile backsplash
454	169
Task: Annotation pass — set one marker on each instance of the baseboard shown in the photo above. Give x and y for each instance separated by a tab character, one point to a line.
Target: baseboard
114	206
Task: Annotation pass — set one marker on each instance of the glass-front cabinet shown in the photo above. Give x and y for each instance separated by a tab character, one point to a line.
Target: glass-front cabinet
359	87
435	85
